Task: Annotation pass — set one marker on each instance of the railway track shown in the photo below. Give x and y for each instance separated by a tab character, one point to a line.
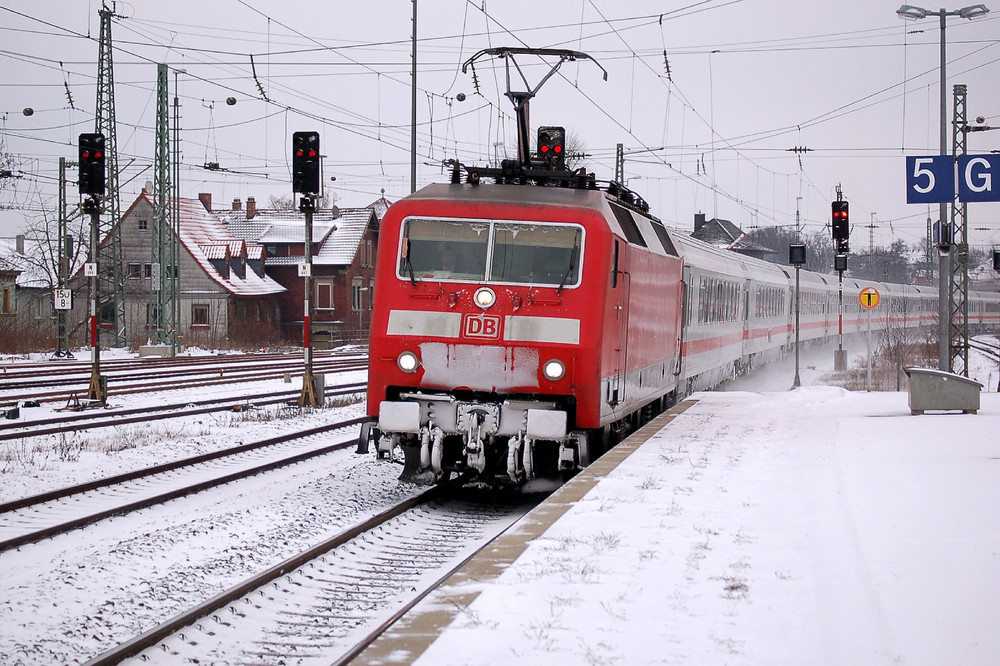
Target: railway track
17	369
57	512
88	420
991	350
331	599
12	392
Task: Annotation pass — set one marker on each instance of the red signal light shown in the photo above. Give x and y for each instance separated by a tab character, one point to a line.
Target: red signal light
545	149
558	149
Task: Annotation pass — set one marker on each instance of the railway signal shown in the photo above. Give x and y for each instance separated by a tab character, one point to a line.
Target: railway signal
305	162
92	164
552	146
840	224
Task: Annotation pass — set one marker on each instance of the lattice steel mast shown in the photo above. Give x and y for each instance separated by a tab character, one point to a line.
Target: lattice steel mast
959	287
160	318
111	272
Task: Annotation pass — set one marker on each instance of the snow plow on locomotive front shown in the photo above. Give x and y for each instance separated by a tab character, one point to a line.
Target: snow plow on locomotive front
490	440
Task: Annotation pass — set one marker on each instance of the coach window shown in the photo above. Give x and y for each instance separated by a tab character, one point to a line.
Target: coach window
536	254
443	249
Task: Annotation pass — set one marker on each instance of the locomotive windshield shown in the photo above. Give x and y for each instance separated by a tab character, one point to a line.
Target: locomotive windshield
496	252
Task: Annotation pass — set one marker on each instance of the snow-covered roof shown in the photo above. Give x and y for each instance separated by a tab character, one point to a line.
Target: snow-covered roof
338	233
342	244
215	251
380	206
205	237
32	275
725	234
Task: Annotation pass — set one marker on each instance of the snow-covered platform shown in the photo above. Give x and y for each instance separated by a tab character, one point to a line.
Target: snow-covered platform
813	526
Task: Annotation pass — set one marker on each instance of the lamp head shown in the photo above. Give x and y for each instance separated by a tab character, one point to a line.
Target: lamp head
973	11
911	13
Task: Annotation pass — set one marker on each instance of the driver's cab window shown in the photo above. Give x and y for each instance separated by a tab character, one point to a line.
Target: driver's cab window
439	249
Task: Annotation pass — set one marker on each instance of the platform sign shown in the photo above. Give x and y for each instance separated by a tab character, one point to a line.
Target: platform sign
930	179
933	179
978	178
63	299
869	298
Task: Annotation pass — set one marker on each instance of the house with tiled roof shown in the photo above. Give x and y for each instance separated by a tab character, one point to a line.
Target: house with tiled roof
224	294
26	283
726	235
344	241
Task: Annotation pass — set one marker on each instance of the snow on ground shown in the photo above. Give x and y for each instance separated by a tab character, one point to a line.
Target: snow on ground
814	526
36	464
763	525
65	600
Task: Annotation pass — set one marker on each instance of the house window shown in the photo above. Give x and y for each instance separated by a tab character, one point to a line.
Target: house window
199	316
369	255
324	296
357	294
143	225
108	315
8	301
147	270
371	293
134	271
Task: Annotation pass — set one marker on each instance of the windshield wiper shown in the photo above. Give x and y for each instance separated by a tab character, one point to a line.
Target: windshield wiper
406	261
572	264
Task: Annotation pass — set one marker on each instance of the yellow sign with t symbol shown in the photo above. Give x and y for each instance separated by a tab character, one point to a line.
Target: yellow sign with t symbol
869	298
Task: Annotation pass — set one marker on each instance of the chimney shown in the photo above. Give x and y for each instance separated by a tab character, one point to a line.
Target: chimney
699	221
206	200
237	204
251	207
19	243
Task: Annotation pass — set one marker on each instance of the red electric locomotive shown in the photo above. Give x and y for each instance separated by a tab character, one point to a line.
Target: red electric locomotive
514	325
518	325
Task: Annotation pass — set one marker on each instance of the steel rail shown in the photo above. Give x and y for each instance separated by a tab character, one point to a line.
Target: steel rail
125	416
177	492
148	639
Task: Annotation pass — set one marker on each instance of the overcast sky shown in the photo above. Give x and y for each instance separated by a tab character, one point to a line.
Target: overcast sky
749	82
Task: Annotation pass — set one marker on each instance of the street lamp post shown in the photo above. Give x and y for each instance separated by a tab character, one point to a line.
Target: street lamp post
911	13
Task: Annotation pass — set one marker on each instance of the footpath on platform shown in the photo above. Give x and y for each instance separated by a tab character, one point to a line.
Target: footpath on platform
815	526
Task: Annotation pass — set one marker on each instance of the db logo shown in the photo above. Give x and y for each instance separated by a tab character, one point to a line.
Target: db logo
482	326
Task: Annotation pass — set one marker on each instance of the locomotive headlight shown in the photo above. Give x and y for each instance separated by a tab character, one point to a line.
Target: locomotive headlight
408	362
485	297
554	370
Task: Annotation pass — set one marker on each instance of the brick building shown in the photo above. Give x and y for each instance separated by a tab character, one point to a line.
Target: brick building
344	241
